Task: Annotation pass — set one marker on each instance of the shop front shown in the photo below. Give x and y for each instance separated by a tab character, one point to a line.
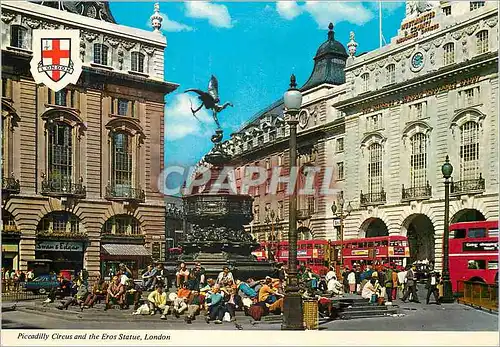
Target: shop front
135	256
10	254
61	254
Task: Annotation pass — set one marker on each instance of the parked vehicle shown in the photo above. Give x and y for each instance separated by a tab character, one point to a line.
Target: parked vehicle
42	284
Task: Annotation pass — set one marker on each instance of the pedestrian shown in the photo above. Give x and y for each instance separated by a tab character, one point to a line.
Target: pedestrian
6	279
401	281
345	281
432	287
351	279
389	284
411	285
394	282
15	279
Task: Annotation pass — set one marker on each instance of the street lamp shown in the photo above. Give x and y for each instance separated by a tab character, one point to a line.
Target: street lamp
342	215
292	305
447	170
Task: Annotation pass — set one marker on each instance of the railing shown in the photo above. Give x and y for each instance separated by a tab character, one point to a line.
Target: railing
468	186
416	193
479	294
377	198
13	293
125	192
63	187
11	185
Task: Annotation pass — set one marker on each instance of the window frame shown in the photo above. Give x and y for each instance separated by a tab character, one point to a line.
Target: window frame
365	82
14	40
418	160
448	53
375	165
482	42
339	145
390	74
102	57
137	65
119	175
469	151
340	171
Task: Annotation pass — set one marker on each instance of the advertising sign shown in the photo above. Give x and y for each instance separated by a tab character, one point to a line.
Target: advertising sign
59	246
480	246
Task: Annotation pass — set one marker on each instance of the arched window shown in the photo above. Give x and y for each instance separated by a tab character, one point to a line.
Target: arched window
482	41
391	74
19	37
375	168
418	160
60	155
365	82
122	225
449	53
137	62
100	54
469	151
121	164
59	222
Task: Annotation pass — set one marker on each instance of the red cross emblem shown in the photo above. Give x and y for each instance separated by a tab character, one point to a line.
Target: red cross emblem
56	58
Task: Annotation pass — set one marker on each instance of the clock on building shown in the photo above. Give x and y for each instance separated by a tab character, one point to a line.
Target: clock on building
417	61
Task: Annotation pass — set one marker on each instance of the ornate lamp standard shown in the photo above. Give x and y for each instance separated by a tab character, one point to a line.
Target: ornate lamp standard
292	306
342	215
271	218
447	170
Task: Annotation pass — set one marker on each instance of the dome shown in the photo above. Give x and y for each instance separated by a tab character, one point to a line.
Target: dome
329	63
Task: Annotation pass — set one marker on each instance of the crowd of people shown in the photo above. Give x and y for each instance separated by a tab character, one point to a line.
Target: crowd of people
218	298
13	280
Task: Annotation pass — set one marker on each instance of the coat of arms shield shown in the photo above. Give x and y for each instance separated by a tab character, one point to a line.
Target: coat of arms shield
56	62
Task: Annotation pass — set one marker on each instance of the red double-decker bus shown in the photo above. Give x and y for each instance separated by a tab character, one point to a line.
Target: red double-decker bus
310	253
383	250
473	252
261	252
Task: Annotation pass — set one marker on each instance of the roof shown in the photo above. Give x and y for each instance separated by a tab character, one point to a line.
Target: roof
125	249
329	63
94	9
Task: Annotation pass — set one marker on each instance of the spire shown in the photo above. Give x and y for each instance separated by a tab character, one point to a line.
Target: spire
156	18
330	32
352	45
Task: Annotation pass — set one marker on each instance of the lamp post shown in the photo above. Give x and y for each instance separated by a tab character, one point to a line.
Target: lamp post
292	305
447	170
342	215
271	218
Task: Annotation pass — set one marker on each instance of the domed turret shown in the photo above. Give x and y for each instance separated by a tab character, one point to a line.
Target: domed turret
329	63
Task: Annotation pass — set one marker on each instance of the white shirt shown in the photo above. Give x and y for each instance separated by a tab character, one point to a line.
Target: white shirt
329	275
351	278
222	277
367	291
401	277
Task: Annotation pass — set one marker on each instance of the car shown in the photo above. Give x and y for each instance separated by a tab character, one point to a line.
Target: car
42	284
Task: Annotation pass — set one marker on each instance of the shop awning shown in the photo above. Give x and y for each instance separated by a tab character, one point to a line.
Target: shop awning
124	249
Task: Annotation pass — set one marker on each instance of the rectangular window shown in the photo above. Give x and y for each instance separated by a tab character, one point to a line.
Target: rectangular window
449	54
458	234
482	41
19	37
493	265
391	74
476	264
272	136
447	10
256	215
471	96
122	107
365	82
61	97
100	54
374	122
476	233
137	63
474	5
340	171
340	145
493	232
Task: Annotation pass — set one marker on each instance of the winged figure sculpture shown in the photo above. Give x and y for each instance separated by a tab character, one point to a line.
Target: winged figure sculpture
210	99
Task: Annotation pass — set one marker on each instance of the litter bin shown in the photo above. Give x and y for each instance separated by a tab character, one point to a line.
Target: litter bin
311	315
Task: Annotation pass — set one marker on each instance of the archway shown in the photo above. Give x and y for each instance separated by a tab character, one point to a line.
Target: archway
420	232
11	236
374	227
467	215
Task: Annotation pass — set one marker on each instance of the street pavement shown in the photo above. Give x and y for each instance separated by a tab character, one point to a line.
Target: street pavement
416	317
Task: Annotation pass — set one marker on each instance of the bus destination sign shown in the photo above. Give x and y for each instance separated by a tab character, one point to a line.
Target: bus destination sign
480	246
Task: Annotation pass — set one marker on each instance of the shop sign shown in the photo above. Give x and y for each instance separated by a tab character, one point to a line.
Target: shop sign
10	248
480	246
61	246
156	250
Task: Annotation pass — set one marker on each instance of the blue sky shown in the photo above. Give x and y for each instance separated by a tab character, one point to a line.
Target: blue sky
252	48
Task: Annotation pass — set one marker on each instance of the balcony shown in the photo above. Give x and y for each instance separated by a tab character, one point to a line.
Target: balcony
124	192
63	187
473	186
10	185
378	198
416	193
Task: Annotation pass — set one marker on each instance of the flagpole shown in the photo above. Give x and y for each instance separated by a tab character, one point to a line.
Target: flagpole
380	21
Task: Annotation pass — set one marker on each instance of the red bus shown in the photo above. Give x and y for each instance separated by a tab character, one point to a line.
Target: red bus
261	252
310	253
382	249
473	252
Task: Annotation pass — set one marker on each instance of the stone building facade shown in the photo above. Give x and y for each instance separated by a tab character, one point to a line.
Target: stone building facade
80	166
386	127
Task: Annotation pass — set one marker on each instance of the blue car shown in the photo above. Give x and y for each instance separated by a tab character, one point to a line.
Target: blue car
42	284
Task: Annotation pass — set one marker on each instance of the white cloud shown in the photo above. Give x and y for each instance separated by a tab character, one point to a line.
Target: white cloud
325	12
180	121
217	14
288	9
171	25
387	6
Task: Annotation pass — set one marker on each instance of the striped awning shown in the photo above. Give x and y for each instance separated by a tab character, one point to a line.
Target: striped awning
124	249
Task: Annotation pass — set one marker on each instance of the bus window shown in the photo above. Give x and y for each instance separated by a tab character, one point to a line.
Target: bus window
309	246
384	243
405	243
476	232
493	232
377	244
476	265
370	244
493	265
318	246
459	234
